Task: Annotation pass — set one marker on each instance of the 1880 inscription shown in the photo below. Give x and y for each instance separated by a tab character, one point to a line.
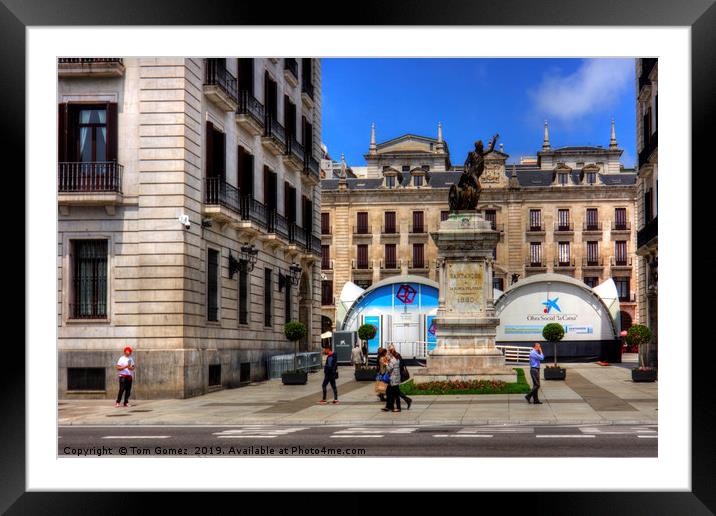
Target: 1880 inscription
464	286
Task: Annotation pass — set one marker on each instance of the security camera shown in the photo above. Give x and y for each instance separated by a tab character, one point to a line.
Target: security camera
184	219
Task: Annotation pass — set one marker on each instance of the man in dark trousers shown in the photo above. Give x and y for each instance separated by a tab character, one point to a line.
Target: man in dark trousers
330	373
404	374
536	356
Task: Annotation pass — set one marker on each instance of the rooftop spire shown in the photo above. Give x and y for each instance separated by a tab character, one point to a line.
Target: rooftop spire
440	132
613	139
343	175
372	148
545	143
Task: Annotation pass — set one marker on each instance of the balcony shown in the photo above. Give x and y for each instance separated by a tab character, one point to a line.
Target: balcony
278	225
648	235
592	227
497	227
314	245
293	157
535	264
620	263
564	264
362	231
89	183
250	113
312	169
361	265
290	71
593	263
418	230
297	236
390	231
418	266
307	91
650	147
90	67
274	138
535	229
326	265
220	86
326	230
564	228
327	301
391	266
621	227
225	203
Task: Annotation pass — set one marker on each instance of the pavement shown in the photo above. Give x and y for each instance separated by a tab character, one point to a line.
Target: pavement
592	394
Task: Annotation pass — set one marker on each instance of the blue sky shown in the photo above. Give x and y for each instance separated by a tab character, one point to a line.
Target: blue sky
475	98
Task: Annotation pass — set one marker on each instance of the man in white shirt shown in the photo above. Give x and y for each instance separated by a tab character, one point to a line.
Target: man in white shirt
125	366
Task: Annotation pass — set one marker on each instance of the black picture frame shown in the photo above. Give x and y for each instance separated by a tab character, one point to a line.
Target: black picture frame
699	15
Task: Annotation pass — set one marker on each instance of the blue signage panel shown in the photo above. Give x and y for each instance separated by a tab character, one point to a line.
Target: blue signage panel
430	332
374	343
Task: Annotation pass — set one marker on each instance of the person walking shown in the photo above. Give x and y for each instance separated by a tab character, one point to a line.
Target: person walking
536	356
404	375
357	356
392	366
330	373
125	367
381	364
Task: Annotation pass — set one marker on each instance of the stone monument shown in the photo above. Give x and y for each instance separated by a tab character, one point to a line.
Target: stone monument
466	324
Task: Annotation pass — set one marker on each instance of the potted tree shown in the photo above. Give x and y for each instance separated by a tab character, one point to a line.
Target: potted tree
554	332
366	373
294	331
640	336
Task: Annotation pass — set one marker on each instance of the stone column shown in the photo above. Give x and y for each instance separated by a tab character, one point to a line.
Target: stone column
466	325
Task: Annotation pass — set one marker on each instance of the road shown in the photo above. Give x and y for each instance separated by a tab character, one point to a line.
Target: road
365	441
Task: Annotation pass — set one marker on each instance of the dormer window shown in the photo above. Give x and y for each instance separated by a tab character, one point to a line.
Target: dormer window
390	181
418	181
591	177
562	178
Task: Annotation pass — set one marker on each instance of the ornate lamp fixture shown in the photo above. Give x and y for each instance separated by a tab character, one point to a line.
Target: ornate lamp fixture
294	276
248	254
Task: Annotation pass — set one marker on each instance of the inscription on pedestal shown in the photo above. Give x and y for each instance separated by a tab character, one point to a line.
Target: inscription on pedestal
464	286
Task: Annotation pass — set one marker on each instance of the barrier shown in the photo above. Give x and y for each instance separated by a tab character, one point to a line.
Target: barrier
515	353
279	364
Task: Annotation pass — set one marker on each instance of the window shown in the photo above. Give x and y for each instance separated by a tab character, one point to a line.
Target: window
591	177
592	253
270	190
87	132
325	223
268	297
406	168
591	281
648	206
563	220
491	217
89	280
307	135
562	177
245	172
245	372
287	305
535	220
564	253
622	288
620	252
362	256
418	181
390	222
390	259
289	202
362	222
93	135
246	74
498	283
326	257
592	219
390	181
418	256
215	152
326	292
535	254
307	215
86	379
243	292
289	118
270	96
620	221
212	290
214	375
444	215
418	222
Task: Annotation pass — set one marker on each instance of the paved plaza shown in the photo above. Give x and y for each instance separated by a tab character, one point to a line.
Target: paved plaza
591	394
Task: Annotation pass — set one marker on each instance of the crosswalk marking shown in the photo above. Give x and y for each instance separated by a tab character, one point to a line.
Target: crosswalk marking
584	436
378	430
647	436
136	437
256	432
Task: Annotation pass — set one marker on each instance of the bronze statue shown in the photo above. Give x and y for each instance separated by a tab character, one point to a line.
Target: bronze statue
465	194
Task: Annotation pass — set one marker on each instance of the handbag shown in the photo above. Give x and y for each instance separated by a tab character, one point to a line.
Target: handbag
380	387
404	374
385	378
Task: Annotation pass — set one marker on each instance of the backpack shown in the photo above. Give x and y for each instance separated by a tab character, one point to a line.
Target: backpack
404	374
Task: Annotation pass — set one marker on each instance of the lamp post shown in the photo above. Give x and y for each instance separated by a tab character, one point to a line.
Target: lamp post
247	254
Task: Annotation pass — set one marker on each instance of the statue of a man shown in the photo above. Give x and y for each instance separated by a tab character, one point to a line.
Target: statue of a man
465	194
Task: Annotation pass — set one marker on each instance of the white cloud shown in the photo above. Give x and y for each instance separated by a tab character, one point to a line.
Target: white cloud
593	87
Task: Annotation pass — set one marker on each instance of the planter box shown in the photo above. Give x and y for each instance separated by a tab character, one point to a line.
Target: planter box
294	378
366	375
555	373
643	376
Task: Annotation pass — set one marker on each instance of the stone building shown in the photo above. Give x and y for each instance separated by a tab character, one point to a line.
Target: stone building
647	71
188	201
568	210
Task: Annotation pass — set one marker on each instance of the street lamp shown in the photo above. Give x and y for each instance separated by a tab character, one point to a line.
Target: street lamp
294	276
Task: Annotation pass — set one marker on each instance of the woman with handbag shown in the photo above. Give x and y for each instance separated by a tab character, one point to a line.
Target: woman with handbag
380	385
393	369
404	375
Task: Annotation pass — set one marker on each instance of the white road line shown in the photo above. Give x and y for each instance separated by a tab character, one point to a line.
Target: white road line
567	436
440	435
647	436
471	435
246	436
136	437
364	436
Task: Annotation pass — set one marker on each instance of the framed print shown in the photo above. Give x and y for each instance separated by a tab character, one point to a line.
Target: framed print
428	244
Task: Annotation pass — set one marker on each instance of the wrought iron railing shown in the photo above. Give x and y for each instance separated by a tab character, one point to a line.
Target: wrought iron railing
535	262
621	226
315	244
647	233
90	60
218	75
362	229
294	148
592	226
621	261
360	264
593	261
569	262
418	265
274	129
389	230
649	148
277	224
89	177
253	210
248	105
391	265
298	235
536	227
563	226
219	192
418	229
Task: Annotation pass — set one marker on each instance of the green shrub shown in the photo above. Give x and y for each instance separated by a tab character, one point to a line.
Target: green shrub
468	387
553	332
638	335
367	332
294	330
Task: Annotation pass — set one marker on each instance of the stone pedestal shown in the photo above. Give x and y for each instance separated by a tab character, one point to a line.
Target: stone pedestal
465	323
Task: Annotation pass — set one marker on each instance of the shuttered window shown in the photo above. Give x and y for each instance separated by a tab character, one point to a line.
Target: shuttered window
390	222
363	256
535	220
418	226
563	220
535	254
418	256
325	223
362	222
212	293
620	252
592	219
592	253
89	279
390	258
620	219
491	217
564	253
